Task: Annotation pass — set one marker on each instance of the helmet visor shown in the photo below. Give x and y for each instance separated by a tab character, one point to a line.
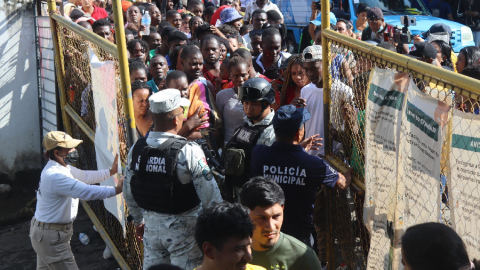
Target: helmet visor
249	93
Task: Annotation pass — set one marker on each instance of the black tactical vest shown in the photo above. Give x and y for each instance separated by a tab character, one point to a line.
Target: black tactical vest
245	138
155	185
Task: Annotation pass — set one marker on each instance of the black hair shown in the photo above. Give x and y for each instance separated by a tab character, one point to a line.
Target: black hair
208	38
177	35
76	14
185	15
472	55
255	32
141	85
243	52
50	154
387	46
221	222
347	24
362	7
163	25
270	32
472	71
259	11
210	11
193	3
203	29
282	30
171	13
167	31
147	38
131	46
190	23
433	246
446	50
174	75
190	51
228	29
174	55
225	43
165	266
101	22
273	15
317	29
243	30
83	23
236	61
262	192
136	64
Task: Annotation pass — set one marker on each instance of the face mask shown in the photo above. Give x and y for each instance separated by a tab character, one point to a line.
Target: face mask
71	157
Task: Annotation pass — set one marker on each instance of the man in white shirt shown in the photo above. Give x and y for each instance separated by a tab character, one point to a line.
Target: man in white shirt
313	94
259	4
60	187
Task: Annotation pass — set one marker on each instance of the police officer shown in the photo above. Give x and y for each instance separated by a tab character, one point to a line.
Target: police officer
298	173
257	96
60	187
167	182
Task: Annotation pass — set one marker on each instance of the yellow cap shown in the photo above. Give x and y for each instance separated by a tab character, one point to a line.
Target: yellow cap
55	139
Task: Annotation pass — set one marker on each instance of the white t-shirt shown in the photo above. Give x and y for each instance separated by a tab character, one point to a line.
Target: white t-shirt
59	190
314	98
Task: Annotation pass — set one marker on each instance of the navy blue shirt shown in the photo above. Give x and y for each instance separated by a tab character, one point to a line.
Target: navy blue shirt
300	176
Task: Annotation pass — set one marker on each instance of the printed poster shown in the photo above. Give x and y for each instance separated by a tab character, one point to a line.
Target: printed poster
106	132
418	183
464	180
385	103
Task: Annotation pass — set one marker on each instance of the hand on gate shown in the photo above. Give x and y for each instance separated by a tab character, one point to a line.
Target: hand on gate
311	143
139	230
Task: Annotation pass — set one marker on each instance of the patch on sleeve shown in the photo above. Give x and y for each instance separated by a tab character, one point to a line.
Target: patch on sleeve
202	162
207	173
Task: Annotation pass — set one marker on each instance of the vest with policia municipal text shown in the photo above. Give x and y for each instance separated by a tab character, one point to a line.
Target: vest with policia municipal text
155	185
245	138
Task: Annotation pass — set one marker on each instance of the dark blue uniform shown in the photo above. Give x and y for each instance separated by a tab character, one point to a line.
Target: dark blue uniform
300	176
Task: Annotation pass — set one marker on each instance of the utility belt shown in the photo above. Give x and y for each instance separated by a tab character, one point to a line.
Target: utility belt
52	226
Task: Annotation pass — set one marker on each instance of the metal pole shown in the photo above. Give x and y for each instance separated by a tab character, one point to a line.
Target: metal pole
59	67
124	73
327	80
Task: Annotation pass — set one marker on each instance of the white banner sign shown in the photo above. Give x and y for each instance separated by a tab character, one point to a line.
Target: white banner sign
464	182
106	132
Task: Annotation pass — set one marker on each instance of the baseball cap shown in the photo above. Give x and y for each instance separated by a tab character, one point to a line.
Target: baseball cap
229	15
55	139
375	13
312	53
423	50
318	20
288	119
438	28
166	101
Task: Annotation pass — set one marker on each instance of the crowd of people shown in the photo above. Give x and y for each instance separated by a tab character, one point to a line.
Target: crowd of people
216	78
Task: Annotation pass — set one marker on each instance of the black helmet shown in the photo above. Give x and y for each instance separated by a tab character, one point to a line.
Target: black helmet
256	89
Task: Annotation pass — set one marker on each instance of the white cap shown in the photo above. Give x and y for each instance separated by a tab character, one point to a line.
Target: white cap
166	101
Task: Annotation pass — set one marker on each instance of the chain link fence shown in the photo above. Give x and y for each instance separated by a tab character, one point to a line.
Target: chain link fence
73	51
350	66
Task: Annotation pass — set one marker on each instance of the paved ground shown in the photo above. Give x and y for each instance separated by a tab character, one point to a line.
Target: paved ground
16	252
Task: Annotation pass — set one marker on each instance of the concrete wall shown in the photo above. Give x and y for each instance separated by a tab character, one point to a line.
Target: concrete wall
19	115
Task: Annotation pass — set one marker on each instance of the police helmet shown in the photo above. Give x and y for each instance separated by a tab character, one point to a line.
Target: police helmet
256	89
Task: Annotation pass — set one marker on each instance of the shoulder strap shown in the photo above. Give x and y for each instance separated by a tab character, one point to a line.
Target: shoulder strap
172	155
262	128
235	135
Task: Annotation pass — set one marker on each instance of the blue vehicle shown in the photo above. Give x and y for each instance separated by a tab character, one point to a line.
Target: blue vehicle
297	15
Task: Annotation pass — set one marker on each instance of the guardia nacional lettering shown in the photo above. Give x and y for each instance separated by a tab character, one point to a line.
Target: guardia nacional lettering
154	164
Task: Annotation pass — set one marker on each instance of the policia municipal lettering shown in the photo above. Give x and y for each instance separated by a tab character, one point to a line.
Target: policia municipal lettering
257	96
